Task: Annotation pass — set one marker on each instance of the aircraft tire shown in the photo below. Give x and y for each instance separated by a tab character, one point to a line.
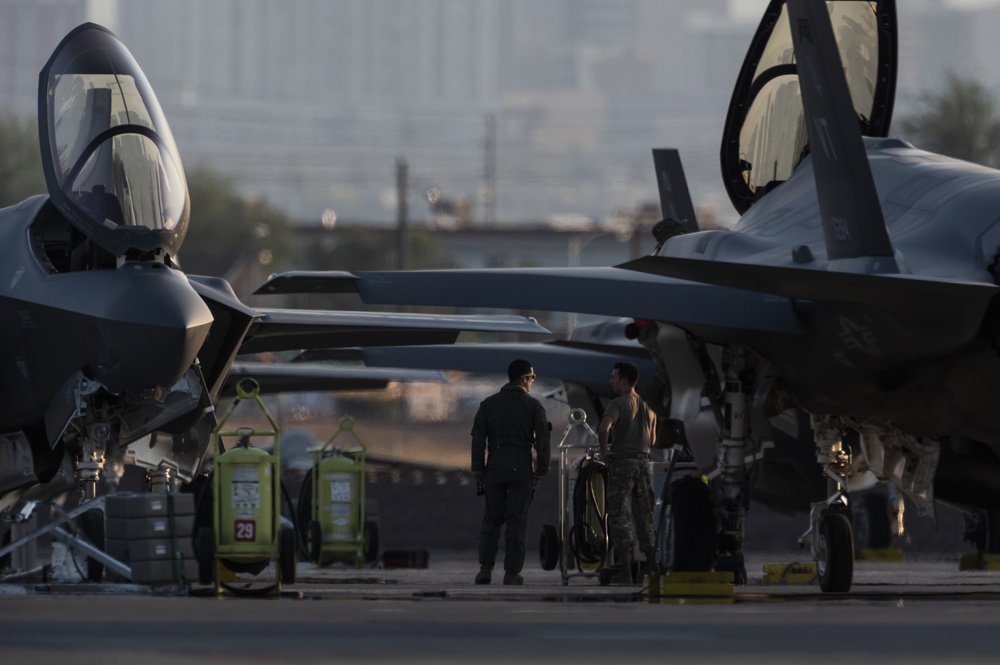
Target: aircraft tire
288	559
91	524
836	553
206	554
991	534
871	523
5	560
690	529
548	547
315	542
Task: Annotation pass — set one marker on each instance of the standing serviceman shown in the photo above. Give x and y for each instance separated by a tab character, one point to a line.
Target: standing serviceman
631	427
509	425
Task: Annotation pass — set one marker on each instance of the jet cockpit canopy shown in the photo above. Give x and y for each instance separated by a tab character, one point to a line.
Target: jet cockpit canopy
110	161
765	135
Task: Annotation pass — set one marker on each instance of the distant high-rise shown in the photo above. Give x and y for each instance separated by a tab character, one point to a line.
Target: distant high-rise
309	103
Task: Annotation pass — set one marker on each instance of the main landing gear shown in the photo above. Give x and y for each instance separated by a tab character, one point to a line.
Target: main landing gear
732	451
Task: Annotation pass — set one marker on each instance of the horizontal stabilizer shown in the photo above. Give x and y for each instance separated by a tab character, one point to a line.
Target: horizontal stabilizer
601	291
287	329
309	281
675	198
894	292
853	223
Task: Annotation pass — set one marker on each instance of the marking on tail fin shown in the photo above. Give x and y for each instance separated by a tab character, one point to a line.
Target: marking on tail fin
853	222
675	198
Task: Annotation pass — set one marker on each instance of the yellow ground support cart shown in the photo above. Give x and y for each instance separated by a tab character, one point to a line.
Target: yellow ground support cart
333	498
246	534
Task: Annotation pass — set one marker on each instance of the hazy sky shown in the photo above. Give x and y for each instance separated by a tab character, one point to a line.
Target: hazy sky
754	8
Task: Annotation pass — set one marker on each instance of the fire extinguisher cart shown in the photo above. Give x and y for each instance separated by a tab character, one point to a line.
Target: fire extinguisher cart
338	531
246	534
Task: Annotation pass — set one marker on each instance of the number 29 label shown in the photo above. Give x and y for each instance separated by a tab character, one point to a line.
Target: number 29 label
246	531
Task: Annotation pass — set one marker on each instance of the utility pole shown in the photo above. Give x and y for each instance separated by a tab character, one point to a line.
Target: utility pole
490	171
402	237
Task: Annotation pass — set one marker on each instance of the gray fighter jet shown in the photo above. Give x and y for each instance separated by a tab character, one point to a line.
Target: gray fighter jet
853	306
105	343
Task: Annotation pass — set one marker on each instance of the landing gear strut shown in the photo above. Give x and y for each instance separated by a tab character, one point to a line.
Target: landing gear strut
732	452
829	533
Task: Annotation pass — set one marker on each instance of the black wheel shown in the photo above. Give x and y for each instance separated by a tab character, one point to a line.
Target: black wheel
371	541
303	513
983	529
871	523
835	555
5	560
288	555
689	526
548	547
91	525
315	542
206	554
201	488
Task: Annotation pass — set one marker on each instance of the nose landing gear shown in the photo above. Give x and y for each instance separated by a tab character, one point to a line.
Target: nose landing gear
829	534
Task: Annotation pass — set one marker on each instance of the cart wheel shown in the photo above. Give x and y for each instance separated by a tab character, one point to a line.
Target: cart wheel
288	559
91	524
303	515
206	554
315	542
548	547
835	558
371	541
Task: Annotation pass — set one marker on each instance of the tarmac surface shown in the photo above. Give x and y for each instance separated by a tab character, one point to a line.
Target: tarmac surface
914	612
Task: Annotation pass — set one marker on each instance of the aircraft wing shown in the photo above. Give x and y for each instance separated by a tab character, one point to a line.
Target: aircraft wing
932	297
285	329
604	291
239	329
553	361
296	377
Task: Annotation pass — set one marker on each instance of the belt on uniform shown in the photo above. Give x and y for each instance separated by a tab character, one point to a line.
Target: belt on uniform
630	455
516	443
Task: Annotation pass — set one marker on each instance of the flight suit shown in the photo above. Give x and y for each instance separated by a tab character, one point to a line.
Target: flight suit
508	425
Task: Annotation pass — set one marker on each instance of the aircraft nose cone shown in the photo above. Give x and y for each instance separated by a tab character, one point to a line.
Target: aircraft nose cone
153	327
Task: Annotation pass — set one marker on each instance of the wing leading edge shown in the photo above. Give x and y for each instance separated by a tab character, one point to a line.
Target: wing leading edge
600	291
285	330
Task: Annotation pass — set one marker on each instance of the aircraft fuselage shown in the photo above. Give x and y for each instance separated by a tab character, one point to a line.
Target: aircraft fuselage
930	371
134	329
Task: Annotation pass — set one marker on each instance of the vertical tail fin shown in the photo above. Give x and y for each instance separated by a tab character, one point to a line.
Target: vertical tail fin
853	223
675	199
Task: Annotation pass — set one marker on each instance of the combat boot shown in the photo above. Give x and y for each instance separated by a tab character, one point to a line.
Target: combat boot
513	578
650	566
652	575
484	575
624	575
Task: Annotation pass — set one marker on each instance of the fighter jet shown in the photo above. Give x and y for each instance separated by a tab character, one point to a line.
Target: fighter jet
108	349
854	300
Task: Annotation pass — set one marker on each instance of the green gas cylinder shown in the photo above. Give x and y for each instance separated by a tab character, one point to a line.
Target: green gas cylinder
246	498
340	501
